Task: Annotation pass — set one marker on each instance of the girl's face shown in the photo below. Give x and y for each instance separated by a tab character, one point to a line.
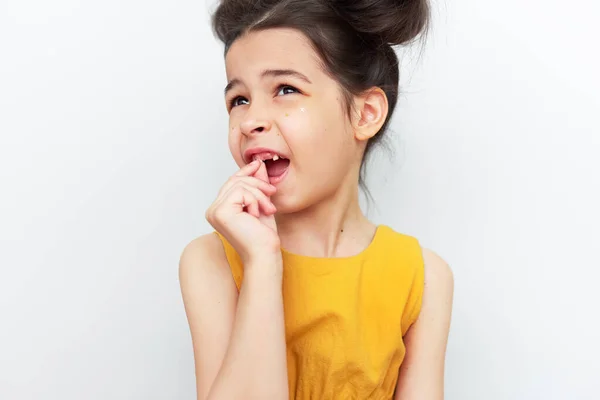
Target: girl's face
285	109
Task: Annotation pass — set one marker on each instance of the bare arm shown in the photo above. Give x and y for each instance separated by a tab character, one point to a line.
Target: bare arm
239	342
422	371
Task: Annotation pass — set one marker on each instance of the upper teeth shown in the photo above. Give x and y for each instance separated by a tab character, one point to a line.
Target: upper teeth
265	158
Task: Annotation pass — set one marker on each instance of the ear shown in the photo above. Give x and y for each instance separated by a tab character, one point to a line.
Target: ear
370	112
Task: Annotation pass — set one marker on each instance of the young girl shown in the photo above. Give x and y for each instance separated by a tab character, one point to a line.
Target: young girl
297	295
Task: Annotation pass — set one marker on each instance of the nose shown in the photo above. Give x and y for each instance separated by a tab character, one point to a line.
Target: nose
253	125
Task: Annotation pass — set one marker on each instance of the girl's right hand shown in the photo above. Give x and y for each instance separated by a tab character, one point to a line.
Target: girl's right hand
244	214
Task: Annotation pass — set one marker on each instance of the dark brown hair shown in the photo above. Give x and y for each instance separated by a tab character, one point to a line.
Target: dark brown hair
354	38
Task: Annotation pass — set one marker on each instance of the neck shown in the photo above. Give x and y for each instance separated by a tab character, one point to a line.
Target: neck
334	227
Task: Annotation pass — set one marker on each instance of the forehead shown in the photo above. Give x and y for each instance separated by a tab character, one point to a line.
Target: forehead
271	48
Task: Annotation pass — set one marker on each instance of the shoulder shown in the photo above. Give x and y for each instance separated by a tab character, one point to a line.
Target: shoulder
424	275
438	289
404	248
203	260
202	248
437	271
436	268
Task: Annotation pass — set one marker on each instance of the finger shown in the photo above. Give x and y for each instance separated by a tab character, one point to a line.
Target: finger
235	197
266	206
248	169
251	204
261	172
266	187
269	220
247	202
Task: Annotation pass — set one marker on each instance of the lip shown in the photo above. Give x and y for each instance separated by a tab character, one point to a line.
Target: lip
250	153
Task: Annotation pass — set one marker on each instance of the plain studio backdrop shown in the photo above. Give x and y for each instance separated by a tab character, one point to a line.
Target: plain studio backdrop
113	144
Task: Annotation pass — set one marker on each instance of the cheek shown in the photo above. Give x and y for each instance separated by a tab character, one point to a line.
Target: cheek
296	127
320	128
234	141
313	132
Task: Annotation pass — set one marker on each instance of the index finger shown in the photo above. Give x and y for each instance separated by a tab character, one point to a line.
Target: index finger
248	169
261	173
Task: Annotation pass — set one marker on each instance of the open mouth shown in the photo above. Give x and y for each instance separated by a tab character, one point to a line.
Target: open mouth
276	165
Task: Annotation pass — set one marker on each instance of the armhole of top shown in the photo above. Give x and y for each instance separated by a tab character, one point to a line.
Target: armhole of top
234	261
415	298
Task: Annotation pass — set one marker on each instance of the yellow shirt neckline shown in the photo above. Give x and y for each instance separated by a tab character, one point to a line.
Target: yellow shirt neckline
293	257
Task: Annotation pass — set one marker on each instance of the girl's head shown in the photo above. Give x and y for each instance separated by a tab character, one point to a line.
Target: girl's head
313	82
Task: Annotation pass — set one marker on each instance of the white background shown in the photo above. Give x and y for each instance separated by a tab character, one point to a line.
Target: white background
113	144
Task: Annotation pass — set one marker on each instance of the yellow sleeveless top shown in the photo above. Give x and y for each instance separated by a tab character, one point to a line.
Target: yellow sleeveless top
345	317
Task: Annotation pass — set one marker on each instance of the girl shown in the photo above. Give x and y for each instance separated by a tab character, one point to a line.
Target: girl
297	295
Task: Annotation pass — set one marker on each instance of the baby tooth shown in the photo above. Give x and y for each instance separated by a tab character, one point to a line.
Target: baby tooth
275	158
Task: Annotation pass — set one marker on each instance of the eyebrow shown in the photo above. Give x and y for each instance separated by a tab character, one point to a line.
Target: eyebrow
272	73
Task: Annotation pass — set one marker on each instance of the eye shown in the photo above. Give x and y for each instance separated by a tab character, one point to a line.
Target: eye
286	89
238	101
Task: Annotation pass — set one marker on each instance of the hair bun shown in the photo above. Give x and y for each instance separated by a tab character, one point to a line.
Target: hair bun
396	22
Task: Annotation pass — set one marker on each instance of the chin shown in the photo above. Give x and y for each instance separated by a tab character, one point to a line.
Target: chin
287	204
